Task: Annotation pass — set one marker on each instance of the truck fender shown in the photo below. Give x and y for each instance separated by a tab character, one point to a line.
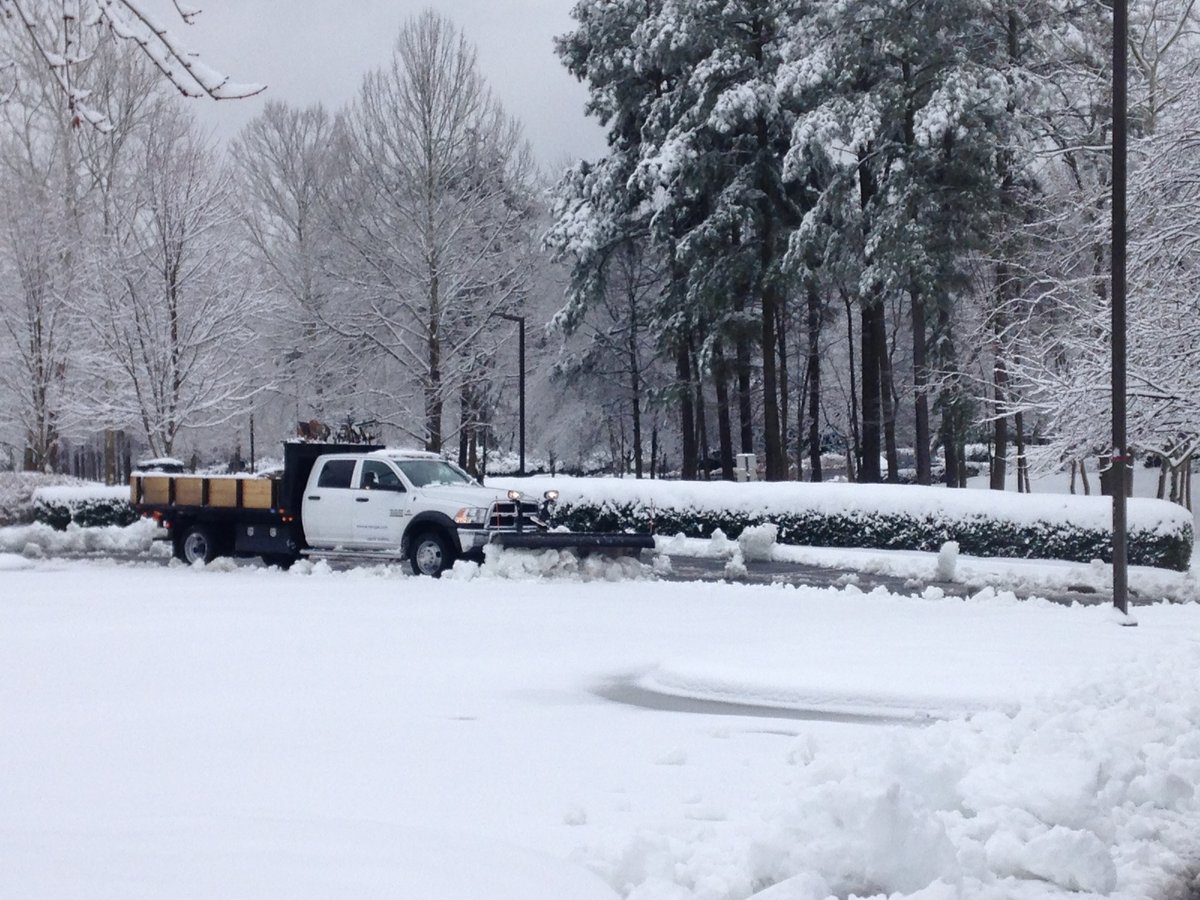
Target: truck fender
431	521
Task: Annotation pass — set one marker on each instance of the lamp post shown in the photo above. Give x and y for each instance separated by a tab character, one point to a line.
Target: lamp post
520	320
1120	452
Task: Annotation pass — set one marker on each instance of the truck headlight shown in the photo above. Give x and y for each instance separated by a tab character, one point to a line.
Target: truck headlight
471	515
514	494
551	495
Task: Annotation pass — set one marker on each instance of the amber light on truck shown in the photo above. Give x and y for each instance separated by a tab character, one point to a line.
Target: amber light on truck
471	515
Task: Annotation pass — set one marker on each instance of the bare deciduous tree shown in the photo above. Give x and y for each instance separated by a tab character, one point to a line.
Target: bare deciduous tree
284	162
175	314
433	209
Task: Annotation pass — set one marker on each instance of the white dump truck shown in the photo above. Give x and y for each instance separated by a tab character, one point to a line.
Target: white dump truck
356	502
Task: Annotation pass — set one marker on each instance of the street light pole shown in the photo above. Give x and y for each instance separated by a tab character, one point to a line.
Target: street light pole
1120	452
520	320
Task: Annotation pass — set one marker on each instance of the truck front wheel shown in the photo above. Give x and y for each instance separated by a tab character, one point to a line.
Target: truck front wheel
196	545
430	554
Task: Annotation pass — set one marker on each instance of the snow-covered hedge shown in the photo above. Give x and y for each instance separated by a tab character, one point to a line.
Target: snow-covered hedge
887	517
88	506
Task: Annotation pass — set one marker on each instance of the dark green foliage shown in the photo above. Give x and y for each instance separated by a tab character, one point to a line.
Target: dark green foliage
89	513
977	535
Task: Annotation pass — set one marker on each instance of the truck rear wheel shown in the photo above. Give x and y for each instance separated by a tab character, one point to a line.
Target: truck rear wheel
430	554
196	545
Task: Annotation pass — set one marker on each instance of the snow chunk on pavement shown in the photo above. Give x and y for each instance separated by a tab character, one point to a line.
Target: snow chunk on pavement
947	559
758	541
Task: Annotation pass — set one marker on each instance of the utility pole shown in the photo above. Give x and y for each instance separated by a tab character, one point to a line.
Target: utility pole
1120	451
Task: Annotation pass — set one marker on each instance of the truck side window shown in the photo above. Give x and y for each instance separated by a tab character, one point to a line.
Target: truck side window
336	473
378	475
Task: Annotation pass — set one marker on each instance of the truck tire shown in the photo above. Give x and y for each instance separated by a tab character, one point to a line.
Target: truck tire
197	545
429	554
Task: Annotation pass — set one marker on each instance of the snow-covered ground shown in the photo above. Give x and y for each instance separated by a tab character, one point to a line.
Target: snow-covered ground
244	732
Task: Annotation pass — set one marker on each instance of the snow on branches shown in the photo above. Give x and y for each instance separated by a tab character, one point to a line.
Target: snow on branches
65	38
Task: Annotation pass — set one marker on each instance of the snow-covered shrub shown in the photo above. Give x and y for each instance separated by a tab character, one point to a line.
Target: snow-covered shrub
17	490
89	506
886	517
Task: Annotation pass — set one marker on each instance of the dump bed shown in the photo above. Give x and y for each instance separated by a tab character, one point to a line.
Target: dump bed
151	492
214	491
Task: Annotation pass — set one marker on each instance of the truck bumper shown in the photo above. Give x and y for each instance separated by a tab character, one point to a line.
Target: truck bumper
472	540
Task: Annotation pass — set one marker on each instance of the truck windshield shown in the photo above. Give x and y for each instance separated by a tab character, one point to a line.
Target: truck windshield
422	472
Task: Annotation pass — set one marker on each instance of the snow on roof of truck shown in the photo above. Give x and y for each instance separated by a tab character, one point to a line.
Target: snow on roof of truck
404	453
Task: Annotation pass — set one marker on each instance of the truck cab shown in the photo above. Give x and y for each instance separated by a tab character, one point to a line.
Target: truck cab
409	502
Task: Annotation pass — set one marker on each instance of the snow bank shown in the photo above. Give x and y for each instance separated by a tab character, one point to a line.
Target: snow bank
1022	576
503	563
1089	790
136	538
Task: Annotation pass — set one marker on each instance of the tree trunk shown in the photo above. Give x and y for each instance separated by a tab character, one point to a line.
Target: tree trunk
687	419
855	432
999	468
701	419
464	418
921	390
724	425
775	466
887	399
745	398
654	449
814	381
869	470
950	448
781	336
1023	466
635	404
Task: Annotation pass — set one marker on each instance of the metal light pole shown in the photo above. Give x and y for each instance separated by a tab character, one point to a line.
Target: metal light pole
1120	452
520	320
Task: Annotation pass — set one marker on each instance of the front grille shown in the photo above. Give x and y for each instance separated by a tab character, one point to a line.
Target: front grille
504	515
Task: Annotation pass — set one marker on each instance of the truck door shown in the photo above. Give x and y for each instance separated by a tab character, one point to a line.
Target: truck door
328	506
381	505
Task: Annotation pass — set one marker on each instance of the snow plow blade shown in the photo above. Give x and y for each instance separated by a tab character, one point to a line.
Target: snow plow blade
611	543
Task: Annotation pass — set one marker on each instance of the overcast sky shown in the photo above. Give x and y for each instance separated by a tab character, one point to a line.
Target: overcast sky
317	50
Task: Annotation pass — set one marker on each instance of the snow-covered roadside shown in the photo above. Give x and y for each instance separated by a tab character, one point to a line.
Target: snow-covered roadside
249	732
1024	576
40	540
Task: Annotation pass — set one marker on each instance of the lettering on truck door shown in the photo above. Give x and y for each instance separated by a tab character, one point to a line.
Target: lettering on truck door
381	505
